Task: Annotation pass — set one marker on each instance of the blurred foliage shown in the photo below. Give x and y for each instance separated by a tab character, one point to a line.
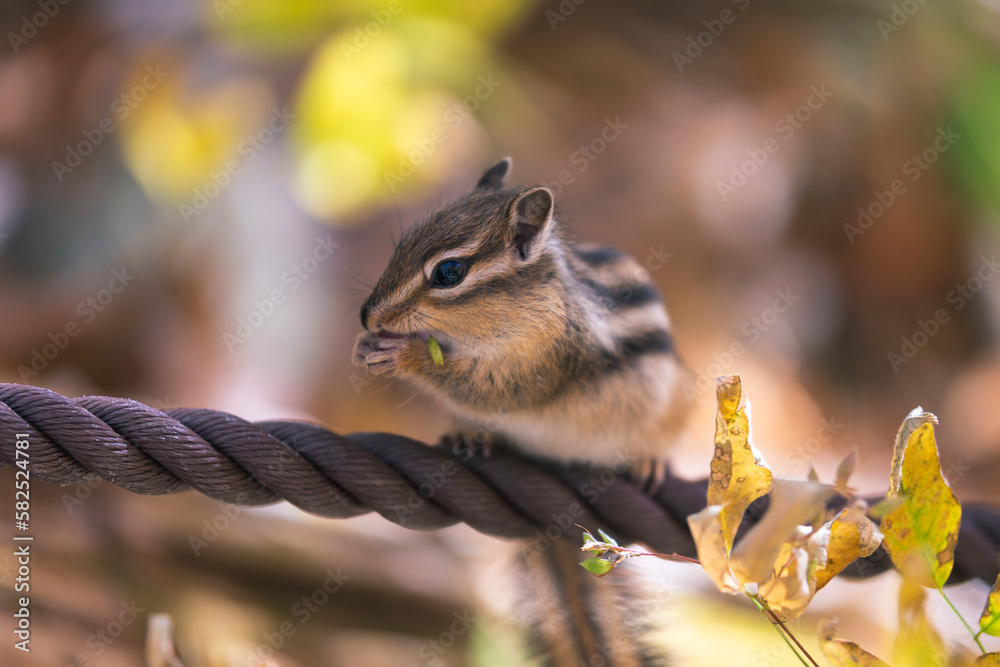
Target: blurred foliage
383	85
273	27
366	107
975	104
181	138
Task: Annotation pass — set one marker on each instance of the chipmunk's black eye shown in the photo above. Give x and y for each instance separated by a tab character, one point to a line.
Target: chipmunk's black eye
448	273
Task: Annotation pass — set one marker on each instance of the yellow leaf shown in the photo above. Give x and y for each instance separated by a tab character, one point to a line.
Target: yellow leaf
792	587
791	505
884	506
739	474
841	653
852	536
921	533
989	622
917	643
988	660
707	533
913	421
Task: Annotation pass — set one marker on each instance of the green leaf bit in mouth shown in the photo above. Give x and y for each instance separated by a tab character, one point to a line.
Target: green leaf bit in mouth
435	349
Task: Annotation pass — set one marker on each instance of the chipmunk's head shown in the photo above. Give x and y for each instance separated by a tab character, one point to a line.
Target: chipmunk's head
466	273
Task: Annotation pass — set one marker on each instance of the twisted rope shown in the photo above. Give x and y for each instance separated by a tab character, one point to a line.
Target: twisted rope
421	487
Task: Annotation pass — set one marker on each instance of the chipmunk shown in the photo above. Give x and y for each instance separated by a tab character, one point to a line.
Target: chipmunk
559	350
564	350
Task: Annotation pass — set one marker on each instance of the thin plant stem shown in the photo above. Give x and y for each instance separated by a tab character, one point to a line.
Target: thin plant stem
633	552
798	649
674	557
975	636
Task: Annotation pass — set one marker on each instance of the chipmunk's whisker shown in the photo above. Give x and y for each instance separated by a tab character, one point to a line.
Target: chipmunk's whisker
423	318
353	274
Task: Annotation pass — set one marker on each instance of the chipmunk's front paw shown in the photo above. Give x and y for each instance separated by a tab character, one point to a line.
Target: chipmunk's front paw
380	355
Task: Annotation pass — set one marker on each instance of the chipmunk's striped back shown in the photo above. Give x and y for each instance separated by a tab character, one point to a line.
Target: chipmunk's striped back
629	305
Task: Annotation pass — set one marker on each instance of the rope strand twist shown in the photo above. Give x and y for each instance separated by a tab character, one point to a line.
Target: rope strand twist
412	484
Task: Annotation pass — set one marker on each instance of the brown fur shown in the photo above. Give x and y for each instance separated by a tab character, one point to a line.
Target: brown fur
565	350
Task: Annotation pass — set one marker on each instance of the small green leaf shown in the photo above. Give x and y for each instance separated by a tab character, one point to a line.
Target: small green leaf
435	349
591	544
597	566
607	538
989	622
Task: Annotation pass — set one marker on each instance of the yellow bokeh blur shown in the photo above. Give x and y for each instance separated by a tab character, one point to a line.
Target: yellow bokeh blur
382	94
289	26
374	104
177	138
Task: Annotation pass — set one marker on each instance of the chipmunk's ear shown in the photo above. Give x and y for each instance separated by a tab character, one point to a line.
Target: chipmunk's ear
493	178
532	218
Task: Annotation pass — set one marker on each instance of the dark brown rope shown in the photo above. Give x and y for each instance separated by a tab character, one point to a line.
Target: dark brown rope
417	486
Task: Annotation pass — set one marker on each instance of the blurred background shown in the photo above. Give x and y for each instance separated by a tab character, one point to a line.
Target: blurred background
195	197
